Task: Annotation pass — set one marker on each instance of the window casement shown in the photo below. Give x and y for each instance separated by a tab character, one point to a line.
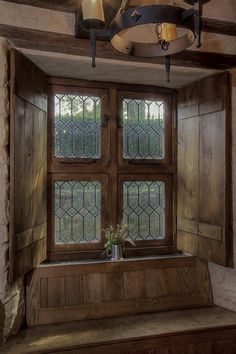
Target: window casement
110	162
113	160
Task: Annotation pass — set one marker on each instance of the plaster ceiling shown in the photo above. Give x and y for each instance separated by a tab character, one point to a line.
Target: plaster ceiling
63	65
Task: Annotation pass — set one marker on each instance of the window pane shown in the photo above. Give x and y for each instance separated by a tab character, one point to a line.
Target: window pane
77	126
77	212
143	129
144	210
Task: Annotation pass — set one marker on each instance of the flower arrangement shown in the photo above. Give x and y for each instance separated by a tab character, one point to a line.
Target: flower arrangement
116	236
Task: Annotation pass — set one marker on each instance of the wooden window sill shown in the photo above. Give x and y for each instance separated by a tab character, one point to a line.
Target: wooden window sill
162	258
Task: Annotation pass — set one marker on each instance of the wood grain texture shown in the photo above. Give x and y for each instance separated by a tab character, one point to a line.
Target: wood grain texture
188	139
28	165
204	170
67	44
208	330
85	291
111	170
208	25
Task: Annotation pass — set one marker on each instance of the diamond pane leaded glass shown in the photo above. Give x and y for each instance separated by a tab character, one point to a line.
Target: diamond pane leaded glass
143	129
144	210
77	126
77	212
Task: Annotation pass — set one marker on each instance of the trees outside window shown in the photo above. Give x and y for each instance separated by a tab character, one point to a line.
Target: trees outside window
110	161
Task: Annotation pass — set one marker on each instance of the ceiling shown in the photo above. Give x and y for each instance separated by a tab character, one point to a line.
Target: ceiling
55	63
64	65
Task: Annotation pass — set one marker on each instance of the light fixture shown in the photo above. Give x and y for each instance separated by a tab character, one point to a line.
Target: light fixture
150	28
93	14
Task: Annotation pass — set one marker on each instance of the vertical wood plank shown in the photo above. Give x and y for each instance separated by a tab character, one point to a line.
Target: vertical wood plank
28	165
56	292
224	347
204	193
74	290
188	174
180	349
204	348
167	282
112	287
44	293
212	169
134	285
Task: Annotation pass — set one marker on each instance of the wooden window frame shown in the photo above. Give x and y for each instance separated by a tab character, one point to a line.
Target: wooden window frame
104	214
111	167
103	94
167	117
167	242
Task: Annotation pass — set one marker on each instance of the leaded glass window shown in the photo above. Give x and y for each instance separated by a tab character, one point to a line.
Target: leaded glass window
143	129
111	162
77	212
144	209
77	132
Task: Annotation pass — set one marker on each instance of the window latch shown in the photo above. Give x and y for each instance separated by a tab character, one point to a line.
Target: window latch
119	121
105	121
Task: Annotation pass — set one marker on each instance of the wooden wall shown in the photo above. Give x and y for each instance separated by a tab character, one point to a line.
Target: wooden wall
28	166
69	292
204	170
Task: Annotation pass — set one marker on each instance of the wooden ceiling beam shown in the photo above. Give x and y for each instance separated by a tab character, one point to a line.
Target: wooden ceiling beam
220	27
67	44
57	5
209	25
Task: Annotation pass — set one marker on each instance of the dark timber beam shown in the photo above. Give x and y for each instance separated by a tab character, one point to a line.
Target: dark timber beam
209	25
218	26
67	44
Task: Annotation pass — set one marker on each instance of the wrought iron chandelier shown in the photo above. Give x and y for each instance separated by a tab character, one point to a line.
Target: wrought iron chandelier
148	28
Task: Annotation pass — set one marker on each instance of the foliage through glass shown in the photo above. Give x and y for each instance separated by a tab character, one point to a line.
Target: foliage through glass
144	209
77	212
143	129
77	126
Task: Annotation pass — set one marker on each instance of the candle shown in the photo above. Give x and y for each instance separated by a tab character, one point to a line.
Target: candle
168	31
93	10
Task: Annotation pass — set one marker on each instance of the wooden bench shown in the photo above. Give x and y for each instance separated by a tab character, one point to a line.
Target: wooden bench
210	330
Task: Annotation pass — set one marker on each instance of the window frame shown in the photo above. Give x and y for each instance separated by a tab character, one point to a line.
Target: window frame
167	242
104	211
110	165
72	90
167	116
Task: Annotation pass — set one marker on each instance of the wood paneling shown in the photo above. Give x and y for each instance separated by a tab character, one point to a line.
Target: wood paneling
188	139
208	330
204	170
59	293
28	168
67	44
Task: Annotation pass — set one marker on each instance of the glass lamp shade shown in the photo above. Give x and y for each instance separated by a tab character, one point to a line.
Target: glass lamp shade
93	14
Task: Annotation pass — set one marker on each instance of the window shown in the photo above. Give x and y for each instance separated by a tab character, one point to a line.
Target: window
110	162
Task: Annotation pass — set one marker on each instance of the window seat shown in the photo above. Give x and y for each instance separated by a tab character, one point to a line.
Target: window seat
65	292
209	330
